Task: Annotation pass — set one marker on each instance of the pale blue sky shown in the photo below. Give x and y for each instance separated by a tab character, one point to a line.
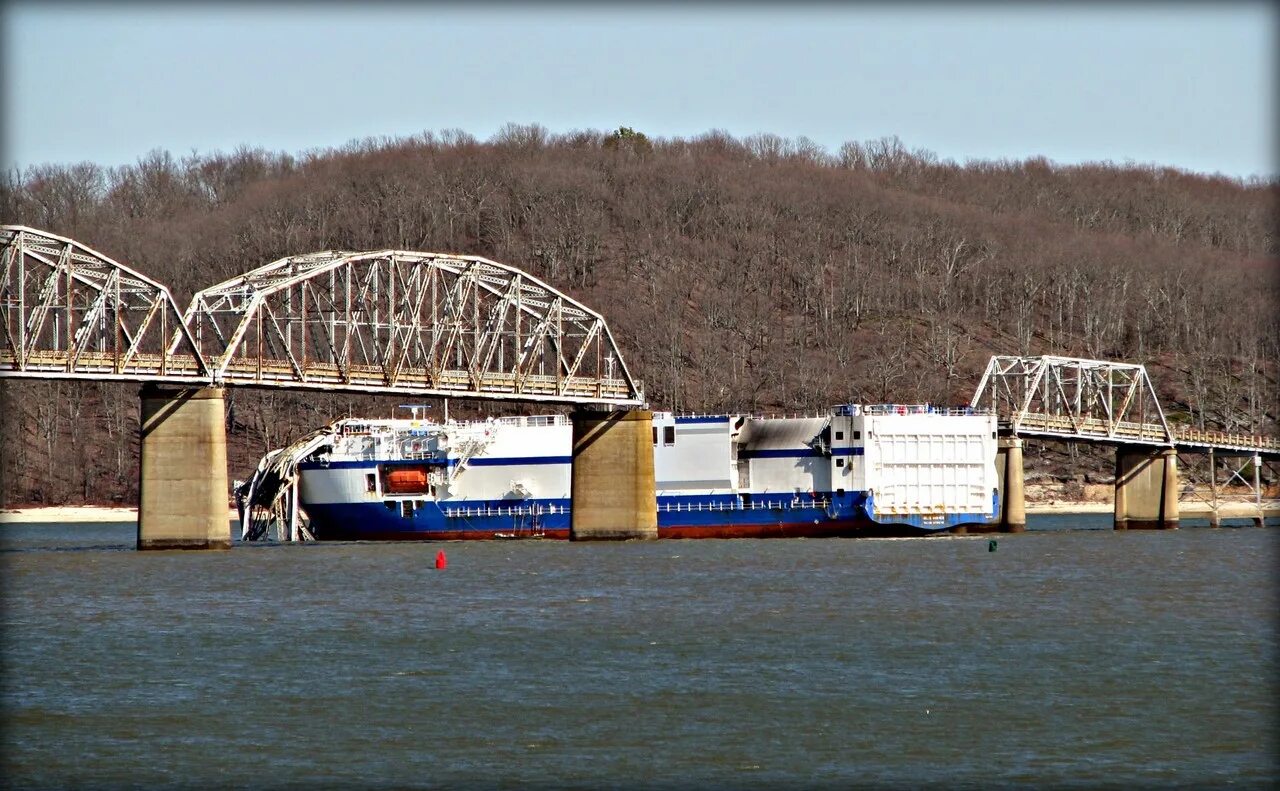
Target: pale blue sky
1179	84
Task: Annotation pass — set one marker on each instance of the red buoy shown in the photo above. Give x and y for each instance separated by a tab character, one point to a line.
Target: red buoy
441	560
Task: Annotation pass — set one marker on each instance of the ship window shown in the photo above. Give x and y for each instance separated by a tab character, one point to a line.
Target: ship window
655	435
668	435
839	492
390	504
857	435
839	435
371	483
839	462
993	435
406	508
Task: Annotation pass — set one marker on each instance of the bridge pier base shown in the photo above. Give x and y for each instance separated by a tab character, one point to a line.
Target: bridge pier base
1146	489
1013	501
183	477
613	491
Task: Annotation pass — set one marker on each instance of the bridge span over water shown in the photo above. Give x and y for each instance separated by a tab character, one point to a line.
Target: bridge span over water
380	322
1111	403
376	322
1101	401
435	324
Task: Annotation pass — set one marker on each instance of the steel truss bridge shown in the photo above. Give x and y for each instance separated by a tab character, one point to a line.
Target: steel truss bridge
1094	401
1098	401
395	321
384	322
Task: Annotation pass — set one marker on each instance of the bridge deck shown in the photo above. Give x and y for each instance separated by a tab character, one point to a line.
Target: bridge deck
184	369
1087	429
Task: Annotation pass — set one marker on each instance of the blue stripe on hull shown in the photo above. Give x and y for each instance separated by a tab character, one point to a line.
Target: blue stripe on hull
373	520
683	516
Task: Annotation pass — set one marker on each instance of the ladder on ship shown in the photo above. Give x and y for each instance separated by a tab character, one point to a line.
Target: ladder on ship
469	448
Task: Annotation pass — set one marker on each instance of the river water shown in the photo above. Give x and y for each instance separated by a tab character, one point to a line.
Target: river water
1072	655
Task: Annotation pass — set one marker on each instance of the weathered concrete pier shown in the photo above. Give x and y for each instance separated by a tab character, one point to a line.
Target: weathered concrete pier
1013	500
183	470
1146	489
613	491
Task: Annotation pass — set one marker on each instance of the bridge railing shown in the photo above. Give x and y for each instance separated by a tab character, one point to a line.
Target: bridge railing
185	369
1223	439
1092	427
140	367
1142	433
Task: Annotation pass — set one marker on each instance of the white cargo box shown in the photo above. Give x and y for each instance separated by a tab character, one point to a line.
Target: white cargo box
920	462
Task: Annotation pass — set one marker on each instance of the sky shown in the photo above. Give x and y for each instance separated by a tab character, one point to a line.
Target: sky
1186	85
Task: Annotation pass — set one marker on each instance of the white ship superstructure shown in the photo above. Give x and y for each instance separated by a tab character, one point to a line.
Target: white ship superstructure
856	470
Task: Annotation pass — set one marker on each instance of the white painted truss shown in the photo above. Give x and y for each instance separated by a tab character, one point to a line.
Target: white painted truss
391	321
72	312
396	321
1092	400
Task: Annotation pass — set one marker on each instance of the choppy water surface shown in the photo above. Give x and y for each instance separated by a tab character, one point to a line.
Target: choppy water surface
1068	656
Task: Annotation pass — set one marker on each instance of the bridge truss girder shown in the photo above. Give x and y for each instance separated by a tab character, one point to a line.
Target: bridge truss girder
72	312
396	321
1074	398
1221	479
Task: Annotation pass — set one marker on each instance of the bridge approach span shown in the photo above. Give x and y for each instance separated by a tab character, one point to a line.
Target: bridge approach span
1112	403
1097	401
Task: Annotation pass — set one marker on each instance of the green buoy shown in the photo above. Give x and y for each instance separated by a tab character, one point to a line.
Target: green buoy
991	545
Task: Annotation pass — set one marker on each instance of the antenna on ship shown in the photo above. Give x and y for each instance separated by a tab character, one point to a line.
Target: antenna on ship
415	407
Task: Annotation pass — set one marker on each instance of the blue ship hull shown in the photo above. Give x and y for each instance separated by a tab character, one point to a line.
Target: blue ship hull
693	516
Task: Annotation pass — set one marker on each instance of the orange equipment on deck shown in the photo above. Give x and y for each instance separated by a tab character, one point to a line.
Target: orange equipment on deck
406	480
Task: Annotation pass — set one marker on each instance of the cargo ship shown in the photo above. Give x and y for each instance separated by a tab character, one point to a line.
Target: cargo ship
856	470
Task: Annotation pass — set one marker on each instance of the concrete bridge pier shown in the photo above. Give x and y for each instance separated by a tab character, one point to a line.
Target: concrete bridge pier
613	491
1013	501
1146	489
183	477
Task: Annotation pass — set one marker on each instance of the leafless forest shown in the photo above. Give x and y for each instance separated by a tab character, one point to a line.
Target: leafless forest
759	274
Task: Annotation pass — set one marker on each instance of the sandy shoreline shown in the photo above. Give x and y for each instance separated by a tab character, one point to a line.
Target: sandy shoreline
1069	507
76	513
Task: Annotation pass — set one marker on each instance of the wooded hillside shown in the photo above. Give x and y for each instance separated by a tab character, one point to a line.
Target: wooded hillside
758	274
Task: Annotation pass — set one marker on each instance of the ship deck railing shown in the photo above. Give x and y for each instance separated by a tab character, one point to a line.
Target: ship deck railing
848	410
514	510
921	409
795	503
735	505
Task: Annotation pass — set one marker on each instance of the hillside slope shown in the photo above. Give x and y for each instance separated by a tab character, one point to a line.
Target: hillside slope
757	274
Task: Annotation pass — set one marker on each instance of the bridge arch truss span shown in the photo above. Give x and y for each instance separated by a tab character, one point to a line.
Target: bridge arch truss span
395	321
72	312
1074	398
